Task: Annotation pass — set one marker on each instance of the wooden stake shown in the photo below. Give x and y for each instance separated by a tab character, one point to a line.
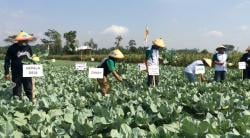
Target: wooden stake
81	55
242	74
154	80
33	89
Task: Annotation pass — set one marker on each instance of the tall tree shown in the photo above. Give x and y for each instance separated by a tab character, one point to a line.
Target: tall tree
53	40
229	48
91	44
71	44
132	46
118	41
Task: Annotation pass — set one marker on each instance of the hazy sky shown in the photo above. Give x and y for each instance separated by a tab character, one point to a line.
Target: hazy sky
182	23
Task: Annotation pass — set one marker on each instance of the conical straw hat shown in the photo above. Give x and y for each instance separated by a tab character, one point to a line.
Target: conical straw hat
23	36
116	54
159	42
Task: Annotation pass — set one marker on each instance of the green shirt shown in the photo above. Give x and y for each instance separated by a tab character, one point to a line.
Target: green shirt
110	65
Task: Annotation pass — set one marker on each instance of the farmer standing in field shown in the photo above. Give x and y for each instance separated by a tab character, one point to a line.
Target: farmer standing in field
220	63
16	53
190	73
109	66
246	58
152	59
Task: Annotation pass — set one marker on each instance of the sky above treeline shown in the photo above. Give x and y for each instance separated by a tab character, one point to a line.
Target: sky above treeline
201	24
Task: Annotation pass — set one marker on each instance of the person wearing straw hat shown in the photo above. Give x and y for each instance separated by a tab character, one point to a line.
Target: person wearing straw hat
246	58
152	59
16	54
109	66
190	72
220	63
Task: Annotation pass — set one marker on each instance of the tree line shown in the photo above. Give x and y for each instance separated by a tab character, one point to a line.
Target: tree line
52	41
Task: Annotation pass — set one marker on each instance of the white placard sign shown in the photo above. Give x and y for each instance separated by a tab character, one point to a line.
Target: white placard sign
199	70
242	65
80	66
96	73
32	70
154	70
142	66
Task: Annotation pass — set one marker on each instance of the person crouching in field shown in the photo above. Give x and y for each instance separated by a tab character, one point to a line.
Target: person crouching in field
190	70
109	66
152	59
220	63
16	53
246	58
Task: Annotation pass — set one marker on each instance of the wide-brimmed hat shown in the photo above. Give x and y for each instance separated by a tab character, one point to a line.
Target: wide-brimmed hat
116	54
248	49
208	61
221	47
23	36
159	43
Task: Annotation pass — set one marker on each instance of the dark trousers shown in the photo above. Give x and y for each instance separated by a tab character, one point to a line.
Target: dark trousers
151	80
20	81
246	73
219	76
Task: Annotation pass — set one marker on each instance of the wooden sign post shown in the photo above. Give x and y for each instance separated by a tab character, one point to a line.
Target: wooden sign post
153	70
33	71
242	66
80	66
96	73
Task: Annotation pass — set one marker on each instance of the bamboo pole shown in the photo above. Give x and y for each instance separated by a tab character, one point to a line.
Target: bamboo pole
154	80
33	90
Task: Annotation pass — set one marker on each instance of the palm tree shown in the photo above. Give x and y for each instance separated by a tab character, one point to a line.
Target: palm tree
118	41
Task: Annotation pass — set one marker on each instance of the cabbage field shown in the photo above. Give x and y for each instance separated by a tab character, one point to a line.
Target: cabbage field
68	104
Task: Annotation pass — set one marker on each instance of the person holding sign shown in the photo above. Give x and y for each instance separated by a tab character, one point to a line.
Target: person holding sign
15	56
109	66
152	60
197	68
220	63
246	58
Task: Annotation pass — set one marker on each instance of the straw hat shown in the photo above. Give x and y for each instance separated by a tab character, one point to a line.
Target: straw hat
116	54
221	47
159	42
22	36
208	61
248	49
